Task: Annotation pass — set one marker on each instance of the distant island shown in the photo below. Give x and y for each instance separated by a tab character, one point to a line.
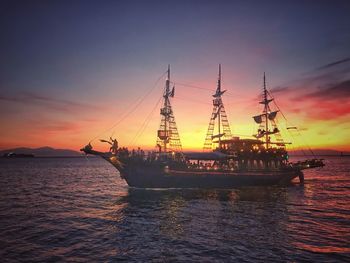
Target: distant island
39	152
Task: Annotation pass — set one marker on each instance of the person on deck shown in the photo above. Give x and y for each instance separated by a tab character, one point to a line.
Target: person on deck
114	146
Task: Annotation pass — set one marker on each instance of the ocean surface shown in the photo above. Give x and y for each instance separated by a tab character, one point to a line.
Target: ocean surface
77	209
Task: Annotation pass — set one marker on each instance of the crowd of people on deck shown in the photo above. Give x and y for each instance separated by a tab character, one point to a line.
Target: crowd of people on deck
140	155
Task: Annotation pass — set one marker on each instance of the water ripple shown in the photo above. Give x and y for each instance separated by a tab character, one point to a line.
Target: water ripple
78	210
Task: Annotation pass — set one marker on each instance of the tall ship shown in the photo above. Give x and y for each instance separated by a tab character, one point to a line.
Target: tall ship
226	161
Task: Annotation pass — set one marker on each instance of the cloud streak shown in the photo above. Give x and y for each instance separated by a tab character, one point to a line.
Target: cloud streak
336	63
323	96
52	103
338	91
280	89
55	126
329	103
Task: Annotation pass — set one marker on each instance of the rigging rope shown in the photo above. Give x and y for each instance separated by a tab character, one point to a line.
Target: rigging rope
192	86
145	123
228	93
299	134
138	102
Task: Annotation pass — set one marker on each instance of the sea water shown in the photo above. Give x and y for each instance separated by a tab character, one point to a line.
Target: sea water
78	209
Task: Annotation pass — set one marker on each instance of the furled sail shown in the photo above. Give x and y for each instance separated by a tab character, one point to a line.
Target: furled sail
172	93
218	135
259	135
258	119
275	130
218	92
272	115
262	133
267	101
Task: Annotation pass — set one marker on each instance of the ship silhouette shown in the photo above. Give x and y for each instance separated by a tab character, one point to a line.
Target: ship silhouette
226	161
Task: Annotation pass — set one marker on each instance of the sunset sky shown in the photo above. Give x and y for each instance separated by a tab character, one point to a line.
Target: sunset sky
71	70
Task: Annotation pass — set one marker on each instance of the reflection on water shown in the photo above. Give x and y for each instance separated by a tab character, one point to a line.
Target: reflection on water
54	209
203	224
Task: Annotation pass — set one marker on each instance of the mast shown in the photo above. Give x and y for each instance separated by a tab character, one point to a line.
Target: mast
266	106
168	133
219	89
219	113
166	105
266	120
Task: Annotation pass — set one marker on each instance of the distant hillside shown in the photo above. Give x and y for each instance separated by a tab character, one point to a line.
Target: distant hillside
319	152
43	152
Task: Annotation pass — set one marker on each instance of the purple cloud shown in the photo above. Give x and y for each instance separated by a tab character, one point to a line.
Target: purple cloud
52	103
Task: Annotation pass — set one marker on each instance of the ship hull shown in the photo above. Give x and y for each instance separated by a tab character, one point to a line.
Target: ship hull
152	178
148	175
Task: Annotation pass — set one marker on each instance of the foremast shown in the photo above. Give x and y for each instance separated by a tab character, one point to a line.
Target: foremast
168	139
219	118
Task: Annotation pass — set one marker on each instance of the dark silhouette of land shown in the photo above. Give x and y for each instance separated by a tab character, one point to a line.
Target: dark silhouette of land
42	152
320	152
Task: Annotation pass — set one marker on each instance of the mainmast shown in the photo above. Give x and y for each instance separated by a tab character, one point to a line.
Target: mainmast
168	136
222	121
